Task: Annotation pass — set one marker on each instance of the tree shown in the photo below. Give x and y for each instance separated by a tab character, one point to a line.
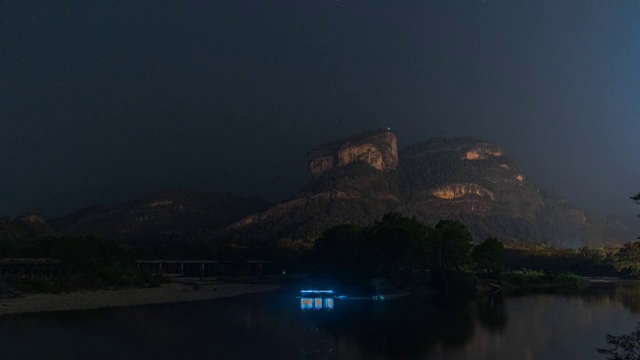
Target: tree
396	245
83	253
451	245
628	258
489	256
393	247
624	347
291	252
340	246
292	246
597	254
636	198
234	251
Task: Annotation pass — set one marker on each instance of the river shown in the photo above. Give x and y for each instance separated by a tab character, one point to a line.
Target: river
560	325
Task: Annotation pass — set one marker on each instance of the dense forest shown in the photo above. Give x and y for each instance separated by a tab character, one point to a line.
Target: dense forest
395	250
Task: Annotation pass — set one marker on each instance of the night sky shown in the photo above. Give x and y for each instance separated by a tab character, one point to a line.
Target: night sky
103	101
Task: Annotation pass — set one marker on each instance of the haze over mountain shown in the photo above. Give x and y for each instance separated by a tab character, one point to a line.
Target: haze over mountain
103	101
362	177
175	216
358	179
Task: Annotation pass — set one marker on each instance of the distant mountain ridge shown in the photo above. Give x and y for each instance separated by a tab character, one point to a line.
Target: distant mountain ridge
358	180
175	215
469	179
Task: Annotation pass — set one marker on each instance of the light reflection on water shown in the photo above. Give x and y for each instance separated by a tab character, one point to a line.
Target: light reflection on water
566	325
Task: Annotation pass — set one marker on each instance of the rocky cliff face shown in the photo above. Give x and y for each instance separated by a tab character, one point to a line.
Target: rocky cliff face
457	191
378	149
467	175
469	179
483	151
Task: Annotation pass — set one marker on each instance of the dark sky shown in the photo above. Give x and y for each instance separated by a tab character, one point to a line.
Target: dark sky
101	101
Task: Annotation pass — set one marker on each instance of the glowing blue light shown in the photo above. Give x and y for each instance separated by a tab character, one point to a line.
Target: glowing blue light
317	291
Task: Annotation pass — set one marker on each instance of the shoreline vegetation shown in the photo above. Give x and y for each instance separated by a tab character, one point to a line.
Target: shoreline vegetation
399	254
173	292
180	292
394	255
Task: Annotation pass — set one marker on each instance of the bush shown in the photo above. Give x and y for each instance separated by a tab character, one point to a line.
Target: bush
624	347
104	279
92	263
524	277
36	285
527	277
569	279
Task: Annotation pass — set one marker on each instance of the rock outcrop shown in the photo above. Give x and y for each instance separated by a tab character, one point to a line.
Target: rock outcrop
483	151
378	149
456	191
468	179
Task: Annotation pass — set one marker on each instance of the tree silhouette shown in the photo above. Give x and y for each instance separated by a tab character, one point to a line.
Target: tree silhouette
452	243
397	244
636	198
628	258
341	246
489	256
624	347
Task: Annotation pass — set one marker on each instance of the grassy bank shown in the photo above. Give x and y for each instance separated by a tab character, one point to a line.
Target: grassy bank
538	278
467	284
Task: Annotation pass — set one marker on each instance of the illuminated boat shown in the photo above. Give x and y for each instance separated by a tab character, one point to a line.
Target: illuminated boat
316	299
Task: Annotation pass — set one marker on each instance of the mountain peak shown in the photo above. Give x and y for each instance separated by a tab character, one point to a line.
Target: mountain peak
465	178
376	148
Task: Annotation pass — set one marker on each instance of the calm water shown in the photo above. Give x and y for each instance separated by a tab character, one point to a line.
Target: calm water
272	326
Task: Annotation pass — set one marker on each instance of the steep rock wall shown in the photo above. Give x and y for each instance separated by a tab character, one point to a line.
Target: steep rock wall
456	191
378	149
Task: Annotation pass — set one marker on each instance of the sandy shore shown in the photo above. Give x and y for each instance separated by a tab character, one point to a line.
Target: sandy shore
168	293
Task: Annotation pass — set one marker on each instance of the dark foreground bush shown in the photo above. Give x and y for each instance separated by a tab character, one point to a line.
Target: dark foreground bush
623	347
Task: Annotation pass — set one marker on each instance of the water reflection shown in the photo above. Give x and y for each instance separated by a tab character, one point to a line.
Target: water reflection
492	313
551	325
545	325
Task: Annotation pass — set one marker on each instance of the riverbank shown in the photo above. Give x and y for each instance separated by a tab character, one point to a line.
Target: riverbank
167	293
612	280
